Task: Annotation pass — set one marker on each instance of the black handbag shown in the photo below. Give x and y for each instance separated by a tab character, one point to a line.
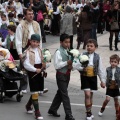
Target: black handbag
114	24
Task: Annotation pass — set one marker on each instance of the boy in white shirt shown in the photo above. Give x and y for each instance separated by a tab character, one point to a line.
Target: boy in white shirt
89	75
112	84
34	65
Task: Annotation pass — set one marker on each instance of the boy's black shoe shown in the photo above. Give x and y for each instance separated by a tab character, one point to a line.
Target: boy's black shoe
69	117
55	114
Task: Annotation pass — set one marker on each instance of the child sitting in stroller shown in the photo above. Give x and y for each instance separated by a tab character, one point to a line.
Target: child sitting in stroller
9	74
6	61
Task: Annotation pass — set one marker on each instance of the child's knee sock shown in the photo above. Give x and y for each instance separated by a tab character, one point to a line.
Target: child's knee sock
35	104
29	103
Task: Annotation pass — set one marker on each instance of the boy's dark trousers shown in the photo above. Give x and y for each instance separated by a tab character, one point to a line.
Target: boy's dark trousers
62	94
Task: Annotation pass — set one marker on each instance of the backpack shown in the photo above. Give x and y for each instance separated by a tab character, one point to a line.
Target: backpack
39	16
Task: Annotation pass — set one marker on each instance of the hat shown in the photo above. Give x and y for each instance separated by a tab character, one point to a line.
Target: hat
35	37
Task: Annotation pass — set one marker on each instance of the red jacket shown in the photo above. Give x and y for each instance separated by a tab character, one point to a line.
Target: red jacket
106	7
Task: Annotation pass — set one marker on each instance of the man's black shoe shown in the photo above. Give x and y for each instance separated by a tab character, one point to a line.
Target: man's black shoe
53	113
69	117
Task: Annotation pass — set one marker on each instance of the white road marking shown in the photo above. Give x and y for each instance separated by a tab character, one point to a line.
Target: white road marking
75	104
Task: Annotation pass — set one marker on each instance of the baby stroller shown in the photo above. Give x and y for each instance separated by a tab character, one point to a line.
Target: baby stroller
8	84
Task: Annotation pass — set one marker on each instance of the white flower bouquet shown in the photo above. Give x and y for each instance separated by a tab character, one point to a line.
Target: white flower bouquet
46	59
46	55
74	53
84	60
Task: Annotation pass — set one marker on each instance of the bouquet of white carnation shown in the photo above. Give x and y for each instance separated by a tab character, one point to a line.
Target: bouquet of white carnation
46	58
84	60
74	53
46	55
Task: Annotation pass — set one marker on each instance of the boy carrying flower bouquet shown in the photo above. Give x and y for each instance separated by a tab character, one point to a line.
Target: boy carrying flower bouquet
34	65
89	72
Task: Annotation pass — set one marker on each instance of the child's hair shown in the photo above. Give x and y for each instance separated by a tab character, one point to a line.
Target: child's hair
20	15
63	37
10	15
12	28
93	41
115	56
3	15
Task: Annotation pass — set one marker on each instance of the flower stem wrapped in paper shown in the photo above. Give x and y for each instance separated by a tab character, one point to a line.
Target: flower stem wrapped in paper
46	59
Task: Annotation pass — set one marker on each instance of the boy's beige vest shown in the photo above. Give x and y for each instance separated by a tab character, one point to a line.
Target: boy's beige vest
32	55
25	31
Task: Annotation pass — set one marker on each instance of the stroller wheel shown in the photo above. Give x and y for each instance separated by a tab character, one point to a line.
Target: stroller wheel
18	98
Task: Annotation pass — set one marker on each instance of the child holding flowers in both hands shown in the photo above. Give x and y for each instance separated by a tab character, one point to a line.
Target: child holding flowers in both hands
63	66
34	65
112	85
89	75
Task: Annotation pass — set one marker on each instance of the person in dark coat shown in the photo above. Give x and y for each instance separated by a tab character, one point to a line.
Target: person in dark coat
55	26
111	16
39	5
85	19
95	13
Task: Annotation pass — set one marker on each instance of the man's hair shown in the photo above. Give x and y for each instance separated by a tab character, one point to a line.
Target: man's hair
63	37
93	41
115	56
26	10
12	28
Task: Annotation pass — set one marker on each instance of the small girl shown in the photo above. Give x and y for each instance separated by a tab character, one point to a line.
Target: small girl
47	24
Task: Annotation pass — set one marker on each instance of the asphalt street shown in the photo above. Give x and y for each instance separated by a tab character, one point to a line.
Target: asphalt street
12	110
